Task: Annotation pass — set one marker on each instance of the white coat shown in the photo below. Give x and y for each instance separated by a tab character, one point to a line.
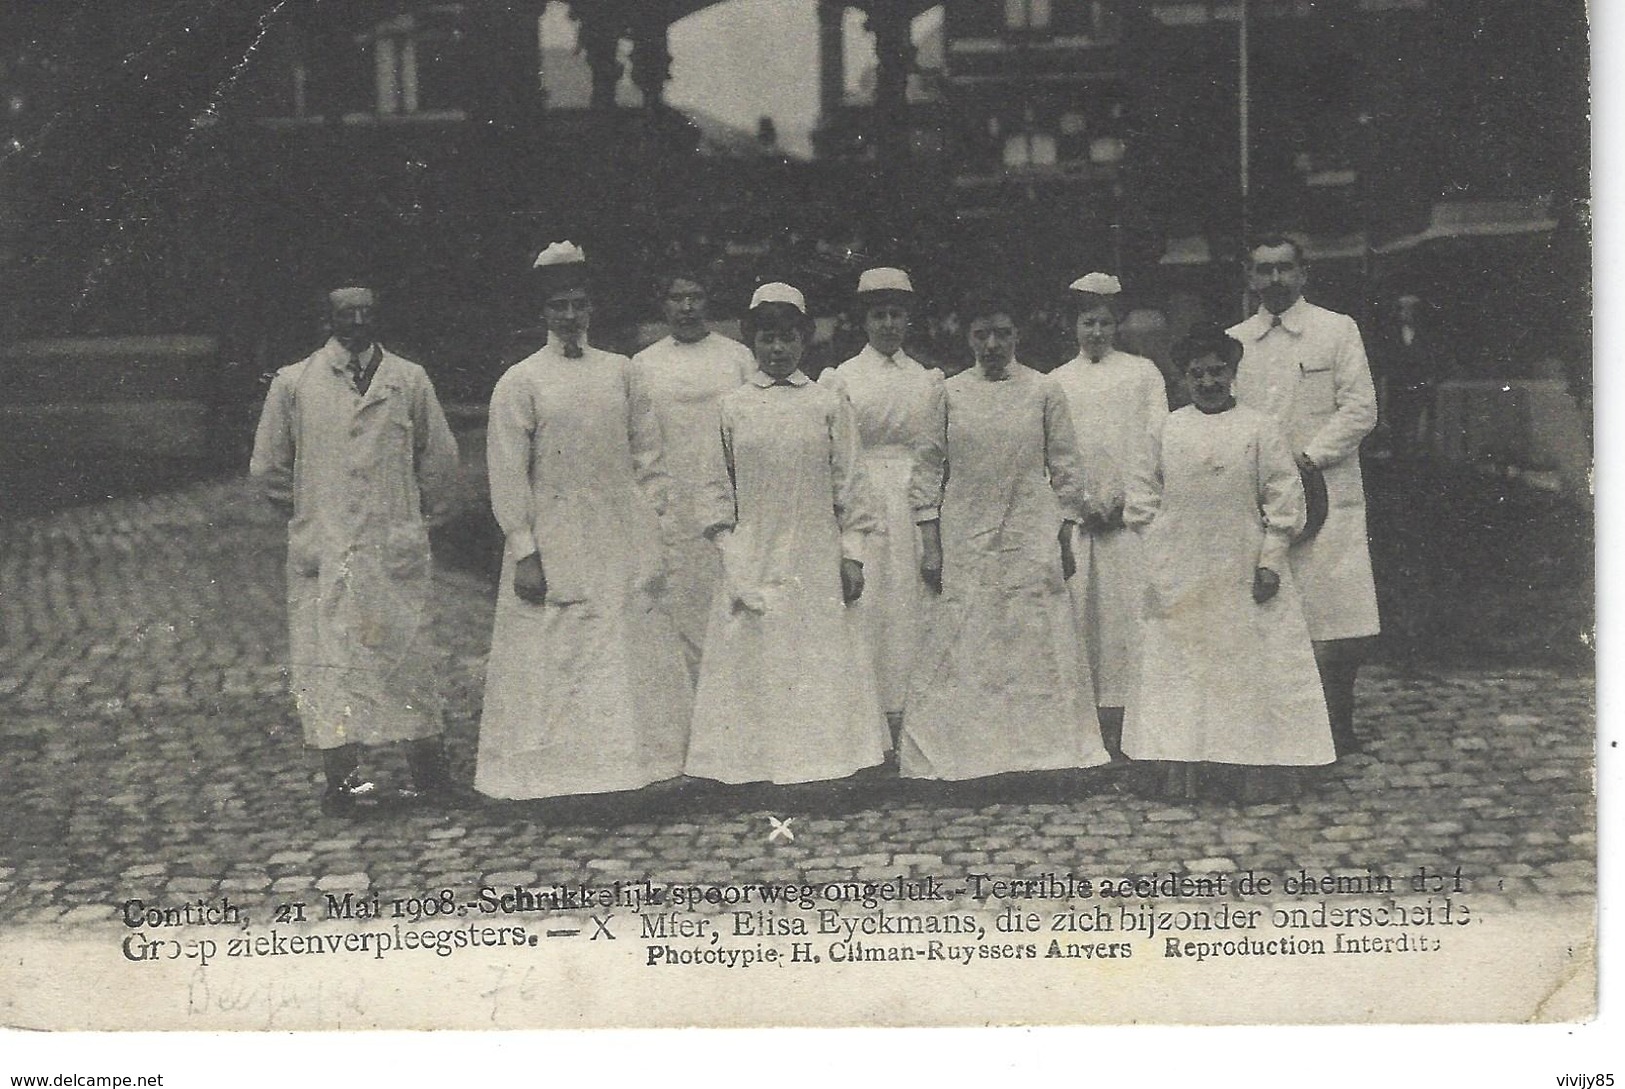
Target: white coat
1310	374
359	472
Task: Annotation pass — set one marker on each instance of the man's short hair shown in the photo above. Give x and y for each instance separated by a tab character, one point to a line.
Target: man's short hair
1273	239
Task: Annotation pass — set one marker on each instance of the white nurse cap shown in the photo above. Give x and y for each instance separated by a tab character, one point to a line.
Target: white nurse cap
778	293
1098	283
560	253
884	279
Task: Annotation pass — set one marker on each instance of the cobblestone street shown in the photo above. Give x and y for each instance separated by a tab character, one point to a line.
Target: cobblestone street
148	749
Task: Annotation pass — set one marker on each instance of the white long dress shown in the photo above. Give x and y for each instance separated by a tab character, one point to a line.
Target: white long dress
1118	406
1002	681
685	384
1226	680
586	692
786	694
900	405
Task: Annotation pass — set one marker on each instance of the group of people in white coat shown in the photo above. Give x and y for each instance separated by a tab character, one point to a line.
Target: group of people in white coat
718	569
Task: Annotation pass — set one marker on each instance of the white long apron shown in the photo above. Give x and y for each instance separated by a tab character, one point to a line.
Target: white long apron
1225	680
1118	406
1002	681
685	384
900	405
586	692
360	472
786	693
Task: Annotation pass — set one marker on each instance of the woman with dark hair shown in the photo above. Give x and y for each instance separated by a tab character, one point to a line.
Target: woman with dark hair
1225	637
1118	403
786	695
900	405
1002	682
585	690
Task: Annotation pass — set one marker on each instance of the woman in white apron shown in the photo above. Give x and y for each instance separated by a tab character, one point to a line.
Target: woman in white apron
900	406
1118	403
1229	671
785	693
1002	682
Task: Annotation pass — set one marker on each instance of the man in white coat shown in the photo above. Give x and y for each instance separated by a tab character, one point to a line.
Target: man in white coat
1306	366
353	447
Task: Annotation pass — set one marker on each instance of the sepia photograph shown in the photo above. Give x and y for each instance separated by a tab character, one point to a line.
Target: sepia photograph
657	513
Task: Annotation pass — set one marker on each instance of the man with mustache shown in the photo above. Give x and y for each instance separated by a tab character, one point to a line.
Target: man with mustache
354	449
1306	366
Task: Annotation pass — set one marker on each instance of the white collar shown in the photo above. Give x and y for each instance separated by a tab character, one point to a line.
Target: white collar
1294	319
873	354
763	380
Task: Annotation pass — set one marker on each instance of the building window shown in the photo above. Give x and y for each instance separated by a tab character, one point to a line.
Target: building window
1026	150
395	74
1027	14
413	66
1104	150
1181	14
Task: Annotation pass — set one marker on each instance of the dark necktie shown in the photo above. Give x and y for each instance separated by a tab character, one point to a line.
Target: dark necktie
1275	321
358	374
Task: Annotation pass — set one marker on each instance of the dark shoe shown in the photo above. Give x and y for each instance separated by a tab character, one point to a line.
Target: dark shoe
349	796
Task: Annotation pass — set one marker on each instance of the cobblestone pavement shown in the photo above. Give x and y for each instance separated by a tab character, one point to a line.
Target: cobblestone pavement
148	749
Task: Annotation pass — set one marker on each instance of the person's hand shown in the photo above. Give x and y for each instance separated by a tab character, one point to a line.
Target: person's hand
1114	514
1069	562
1304	464
851	580
529	583
931	555
1266	584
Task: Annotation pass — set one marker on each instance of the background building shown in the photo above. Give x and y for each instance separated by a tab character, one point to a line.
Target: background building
205	179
